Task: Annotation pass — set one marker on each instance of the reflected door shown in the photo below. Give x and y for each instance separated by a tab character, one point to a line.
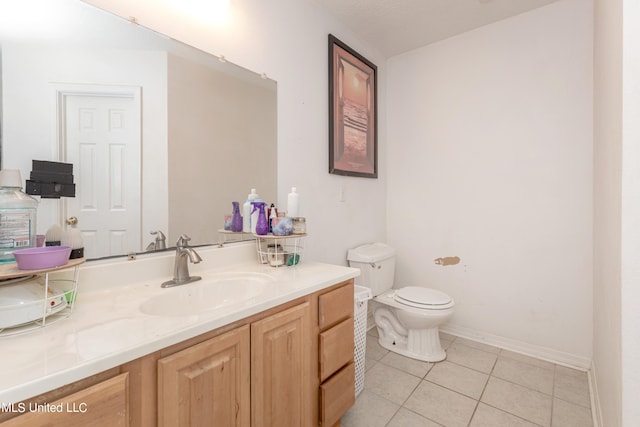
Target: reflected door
101	137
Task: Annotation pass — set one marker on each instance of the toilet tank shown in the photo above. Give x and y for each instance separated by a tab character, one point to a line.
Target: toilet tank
376	262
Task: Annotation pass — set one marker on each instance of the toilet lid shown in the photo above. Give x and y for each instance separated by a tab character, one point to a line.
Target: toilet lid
416	296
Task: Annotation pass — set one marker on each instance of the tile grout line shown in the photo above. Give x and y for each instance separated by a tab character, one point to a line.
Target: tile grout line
401	406
500	409
514	415
484	388
410	394
498	356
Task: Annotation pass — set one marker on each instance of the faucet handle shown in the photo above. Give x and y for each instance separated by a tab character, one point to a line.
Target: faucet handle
159	234
183	241
160	242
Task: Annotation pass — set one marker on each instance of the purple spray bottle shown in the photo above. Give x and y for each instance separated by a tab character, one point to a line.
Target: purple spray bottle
262	225
236	218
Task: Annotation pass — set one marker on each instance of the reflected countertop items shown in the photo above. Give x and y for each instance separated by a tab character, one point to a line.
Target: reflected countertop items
164	91
122	313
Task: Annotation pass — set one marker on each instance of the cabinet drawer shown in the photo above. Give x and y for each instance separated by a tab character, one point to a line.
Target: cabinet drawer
105	404
335	306
336	348
337	395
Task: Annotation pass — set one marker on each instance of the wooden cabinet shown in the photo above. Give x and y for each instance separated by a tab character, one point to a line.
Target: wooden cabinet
206	384
256	374
291	365
280	369
105	404
335	353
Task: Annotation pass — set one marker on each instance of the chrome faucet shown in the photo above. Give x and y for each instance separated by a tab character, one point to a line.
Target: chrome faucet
181	267
159	243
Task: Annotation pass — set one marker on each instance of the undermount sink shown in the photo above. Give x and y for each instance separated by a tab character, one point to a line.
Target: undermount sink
210	293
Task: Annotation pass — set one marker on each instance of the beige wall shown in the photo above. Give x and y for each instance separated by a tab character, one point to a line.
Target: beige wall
630	231
491	161
616	359
607	208
222	143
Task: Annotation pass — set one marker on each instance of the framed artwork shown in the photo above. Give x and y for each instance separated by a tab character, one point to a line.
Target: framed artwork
353	138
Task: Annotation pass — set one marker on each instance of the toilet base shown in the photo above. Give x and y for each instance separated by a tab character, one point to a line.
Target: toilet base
412	333
423	344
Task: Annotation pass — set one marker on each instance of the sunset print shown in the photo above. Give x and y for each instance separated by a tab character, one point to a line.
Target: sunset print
353	150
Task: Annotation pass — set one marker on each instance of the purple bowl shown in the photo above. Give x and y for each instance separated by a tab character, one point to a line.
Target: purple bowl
41	258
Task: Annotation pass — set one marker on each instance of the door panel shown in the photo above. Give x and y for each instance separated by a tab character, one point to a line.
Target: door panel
101	137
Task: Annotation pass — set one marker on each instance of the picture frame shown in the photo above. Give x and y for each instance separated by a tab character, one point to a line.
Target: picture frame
353	109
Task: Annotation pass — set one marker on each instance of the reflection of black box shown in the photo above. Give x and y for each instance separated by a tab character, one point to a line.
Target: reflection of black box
59	178
50	190
51	180
54	167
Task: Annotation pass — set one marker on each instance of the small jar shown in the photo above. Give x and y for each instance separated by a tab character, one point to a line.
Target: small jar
299	225
276	255
282	226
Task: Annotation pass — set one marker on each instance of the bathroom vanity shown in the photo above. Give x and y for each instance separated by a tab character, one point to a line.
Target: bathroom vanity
278	355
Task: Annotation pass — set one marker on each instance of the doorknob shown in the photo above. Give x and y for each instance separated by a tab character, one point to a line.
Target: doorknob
72	220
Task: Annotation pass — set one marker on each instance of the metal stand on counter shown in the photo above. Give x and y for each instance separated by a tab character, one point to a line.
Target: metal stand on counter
31	299
280	251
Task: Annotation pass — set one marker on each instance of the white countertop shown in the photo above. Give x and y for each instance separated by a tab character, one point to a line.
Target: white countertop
107	327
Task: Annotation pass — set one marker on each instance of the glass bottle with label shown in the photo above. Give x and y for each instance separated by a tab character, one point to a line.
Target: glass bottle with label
17	216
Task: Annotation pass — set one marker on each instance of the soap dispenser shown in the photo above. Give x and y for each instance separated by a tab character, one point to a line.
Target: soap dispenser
262	225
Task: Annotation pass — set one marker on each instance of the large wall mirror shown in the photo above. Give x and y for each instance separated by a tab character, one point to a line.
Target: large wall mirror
162	136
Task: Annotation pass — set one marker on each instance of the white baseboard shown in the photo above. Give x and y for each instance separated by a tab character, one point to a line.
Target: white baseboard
539	352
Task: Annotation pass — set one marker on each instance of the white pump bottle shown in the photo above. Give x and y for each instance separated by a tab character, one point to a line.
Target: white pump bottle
293	203
247	207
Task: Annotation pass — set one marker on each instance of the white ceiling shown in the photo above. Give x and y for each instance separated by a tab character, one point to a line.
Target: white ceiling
397	26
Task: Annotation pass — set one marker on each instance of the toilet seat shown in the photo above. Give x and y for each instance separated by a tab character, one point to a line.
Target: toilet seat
425	298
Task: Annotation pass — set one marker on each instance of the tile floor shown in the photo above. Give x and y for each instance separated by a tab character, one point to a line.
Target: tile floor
476	386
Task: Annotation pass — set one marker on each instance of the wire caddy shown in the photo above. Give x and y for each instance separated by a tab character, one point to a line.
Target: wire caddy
54	289
280	251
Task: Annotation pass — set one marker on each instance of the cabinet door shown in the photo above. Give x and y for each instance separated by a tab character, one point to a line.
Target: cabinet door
105	404
280	369
207	384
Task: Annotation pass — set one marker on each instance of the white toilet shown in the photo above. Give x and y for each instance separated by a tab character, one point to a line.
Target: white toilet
407	318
